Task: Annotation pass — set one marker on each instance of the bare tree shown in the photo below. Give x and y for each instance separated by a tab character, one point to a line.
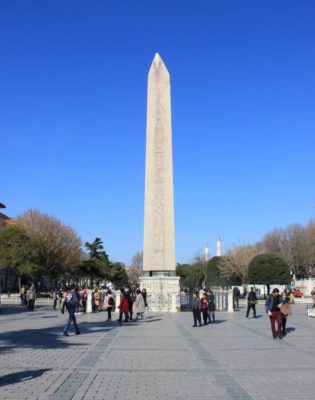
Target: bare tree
62	251
293	244
135	268
310	244
238	258
137	262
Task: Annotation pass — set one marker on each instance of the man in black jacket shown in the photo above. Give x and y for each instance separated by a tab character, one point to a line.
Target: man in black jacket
251	302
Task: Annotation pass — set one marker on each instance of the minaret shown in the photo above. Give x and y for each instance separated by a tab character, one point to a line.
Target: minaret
159	231
219	246
206	253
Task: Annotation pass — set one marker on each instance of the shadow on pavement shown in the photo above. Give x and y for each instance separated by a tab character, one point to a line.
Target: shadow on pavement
52	337
11	309
217	321
153	320
49	337
154	316
21	376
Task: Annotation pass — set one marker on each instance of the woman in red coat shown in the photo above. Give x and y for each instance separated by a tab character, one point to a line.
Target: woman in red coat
123	306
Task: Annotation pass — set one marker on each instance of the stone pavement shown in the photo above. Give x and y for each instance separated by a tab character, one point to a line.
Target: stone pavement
236	358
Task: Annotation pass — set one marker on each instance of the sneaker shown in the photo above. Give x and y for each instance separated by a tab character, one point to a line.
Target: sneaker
194	326
65	334
280	336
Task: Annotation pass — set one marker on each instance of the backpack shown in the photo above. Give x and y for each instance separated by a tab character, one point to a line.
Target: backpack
132	295
111	301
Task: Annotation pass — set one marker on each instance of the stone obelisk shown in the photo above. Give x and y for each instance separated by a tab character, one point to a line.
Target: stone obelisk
159	232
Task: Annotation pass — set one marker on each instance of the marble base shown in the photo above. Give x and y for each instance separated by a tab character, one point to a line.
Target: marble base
162	292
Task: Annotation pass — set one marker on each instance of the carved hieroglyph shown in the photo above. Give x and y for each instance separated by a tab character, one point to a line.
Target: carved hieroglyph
162	293
159	235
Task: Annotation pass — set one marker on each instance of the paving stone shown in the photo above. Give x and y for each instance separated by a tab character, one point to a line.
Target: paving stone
236	358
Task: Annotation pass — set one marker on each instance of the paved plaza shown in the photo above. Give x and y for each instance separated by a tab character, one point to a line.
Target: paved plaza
166	358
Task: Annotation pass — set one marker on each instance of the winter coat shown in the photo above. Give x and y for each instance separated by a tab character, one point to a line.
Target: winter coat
204	303
196	303
71	301
269	303
211	303
139	304
106	305
96	298
31	295
124	304
251	298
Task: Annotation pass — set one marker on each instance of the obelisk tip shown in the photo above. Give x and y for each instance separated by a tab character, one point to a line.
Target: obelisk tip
158	66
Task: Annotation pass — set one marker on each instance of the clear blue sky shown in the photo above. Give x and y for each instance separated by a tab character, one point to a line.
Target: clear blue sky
73	78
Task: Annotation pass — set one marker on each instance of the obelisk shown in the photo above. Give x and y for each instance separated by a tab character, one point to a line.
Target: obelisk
159	232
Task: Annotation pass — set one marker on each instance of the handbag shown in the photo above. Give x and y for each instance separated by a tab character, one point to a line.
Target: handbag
285	309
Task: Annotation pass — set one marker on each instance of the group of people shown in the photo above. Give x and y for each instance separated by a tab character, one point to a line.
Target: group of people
278	308
203	306
60	295
28	297
133	303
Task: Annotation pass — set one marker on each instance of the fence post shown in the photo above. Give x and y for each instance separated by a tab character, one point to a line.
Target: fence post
89	301
230	301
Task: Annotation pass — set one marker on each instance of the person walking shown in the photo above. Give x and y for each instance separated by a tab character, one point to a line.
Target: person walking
70	303
31	297
123	306
285	309
109	304
55	299
96	302
273	304
131	296
84	298
204	307
251	302
211	306
144	295
196	309
313	296
139	305
235	298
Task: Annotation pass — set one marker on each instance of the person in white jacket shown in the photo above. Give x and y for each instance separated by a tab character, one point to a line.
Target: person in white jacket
139	306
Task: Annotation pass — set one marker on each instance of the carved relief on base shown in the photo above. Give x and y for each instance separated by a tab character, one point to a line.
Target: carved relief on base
162	293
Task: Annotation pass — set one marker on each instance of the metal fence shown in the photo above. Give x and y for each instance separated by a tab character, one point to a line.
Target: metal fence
221	300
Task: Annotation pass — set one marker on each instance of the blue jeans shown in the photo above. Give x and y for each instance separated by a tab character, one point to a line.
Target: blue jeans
211	314
71	319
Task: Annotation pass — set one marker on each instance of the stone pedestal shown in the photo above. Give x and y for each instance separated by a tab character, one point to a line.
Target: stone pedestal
162	292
